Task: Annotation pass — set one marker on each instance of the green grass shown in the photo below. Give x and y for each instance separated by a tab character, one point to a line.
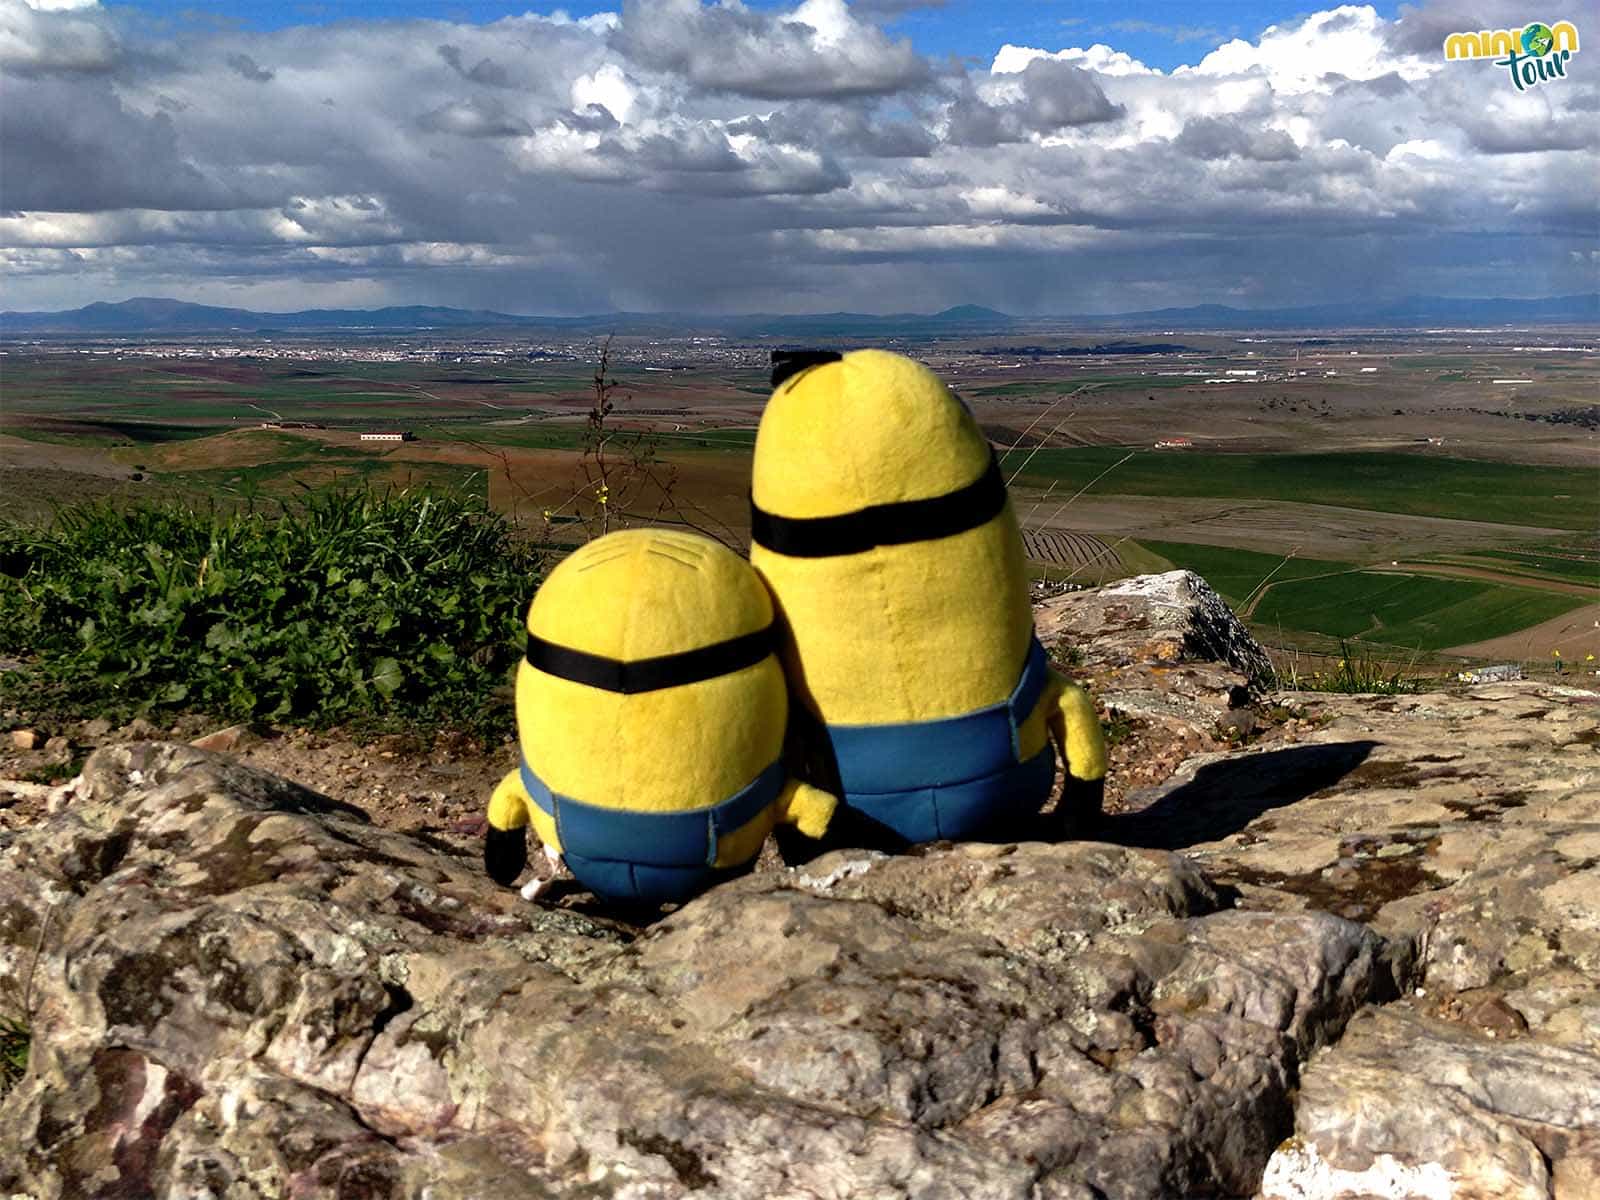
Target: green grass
345	606
1420	485
1358	672
1576	570
1415	611
1338	600
1237	573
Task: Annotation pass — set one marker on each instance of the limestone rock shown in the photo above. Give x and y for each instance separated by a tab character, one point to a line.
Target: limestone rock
1364	964
1469	827
1171	618
223	741
1168	663
242	990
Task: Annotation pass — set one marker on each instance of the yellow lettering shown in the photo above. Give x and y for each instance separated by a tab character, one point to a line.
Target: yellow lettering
1566	35
1504	41
1463	45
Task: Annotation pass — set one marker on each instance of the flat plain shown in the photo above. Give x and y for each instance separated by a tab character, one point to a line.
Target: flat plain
1380	489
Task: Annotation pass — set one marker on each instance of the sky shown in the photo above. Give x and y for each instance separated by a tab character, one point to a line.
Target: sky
1039	157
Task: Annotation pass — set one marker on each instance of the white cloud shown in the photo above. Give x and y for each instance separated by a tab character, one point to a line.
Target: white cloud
1099	57
1350	41
38	37
1003	202
608	87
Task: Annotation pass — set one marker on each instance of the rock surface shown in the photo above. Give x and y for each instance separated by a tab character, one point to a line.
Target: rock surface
1173	668
1357	958
1468	826
243	990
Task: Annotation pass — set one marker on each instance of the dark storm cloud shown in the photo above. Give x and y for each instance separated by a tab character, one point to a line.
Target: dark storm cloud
78	149
591	118
698	149
763	55
1222	137
1586	99
250	69
1059	94
1055	95
485	71
1421	29
840	129
878	11
473	118
1501	136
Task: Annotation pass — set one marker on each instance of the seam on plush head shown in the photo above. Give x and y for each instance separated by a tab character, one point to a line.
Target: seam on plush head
670	557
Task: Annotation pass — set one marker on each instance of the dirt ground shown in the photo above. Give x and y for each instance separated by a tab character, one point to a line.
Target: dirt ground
1318	530
1575	634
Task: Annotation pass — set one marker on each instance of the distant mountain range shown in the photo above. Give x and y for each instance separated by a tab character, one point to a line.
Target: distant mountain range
146	317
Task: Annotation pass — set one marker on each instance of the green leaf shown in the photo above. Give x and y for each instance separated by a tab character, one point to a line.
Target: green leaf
387	676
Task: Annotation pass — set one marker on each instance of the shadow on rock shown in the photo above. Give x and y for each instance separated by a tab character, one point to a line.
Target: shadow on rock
1224	797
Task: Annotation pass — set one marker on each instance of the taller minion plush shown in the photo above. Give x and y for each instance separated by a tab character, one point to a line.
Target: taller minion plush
881	522
651	710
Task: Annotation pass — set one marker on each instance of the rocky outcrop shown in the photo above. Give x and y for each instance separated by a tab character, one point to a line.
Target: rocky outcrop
1174	670
241	989
1159	619
1364	961
1468	826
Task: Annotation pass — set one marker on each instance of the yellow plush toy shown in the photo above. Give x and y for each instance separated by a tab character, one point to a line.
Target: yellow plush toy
651	711
881	523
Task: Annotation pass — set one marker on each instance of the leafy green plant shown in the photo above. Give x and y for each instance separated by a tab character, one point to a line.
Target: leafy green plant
15	1038
1117	727
342	606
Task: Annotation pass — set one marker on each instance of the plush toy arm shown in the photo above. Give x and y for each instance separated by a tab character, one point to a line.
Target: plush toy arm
807	808
505	845
1075	729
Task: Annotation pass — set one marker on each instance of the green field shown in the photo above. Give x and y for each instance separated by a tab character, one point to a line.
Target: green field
1577	570
1414	611
1466	489
1339	600
1237	573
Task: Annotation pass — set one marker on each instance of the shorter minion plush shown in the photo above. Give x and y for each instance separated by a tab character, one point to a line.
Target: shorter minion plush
651	712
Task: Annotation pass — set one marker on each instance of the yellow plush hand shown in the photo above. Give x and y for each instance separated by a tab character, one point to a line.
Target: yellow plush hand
1075	729
807	808
509	803
505	845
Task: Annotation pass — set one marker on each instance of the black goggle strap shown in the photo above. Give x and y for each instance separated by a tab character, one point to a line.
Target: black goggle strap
883	524
650	674
788	363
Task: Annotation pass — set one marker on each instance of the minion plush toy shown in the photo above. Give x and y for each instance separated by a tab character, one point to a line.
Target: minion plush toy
651	710
880	521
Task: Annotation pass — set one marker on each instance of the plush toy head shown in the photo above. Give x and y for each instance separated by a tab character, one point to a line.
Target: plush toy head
650	687
881	524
